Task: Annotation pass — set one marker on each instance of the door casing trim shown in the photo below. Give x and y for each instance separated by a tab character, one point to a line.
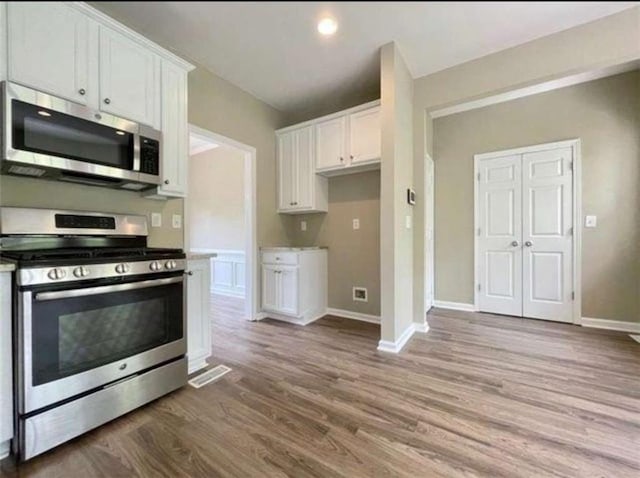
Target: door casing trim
575	145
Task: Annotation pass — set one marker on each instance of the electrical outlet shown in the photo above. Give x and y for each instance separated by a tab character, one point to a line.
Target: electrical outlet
156	219
356	224
407	222
303	225
176	221
590	221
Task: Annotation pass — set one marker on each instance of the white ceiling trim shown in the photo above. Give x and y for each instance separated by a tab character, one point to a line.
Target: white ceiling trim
535	89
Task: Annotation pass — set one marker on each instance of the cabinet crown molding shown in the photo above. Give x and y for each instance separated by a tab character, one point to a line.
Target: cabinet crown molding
105	19
337	114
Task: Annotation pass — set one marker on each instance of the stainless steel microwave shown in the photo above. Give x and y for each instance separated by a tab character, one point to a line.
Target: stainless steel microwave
47	137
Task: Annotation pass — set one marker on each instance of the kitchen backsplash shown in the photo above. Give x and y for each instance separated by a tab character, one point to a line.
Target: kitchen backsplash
27	192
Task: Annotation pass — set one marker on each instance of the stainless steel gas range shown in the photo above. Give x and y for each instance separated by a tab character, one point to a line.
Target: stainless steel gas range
99	321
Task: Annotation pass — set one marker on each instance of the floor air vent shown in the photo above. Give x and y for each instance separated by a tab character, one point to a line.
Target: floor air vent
209	376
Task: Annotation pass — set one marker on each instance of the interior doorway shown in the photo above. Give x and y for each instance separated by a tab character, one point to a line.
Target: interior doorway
220	219
527	212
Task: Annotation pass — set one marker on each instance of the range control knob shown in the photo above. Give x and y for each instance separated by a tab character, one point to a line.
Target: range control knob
122	268
171	264
80	272
56	274
155	266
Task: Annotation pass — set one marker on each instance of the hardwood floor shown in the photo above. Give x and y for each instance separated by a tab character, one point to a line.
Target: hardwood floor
478	395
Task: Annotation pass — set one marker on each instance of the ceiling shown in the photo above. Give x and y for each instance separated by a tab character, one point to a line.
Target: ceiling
273	50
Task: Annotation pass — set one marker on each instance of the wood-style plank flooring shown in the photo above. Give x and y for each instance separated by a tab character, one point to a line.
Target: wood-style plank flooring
478	395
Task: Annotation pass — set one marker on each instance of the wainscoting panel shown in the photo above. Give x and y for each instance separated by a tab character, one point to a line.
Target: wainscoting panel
228	273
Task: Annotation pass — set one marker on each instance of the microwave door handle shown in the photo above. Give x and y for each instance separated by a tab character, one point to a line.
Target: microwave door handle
136	152
107	289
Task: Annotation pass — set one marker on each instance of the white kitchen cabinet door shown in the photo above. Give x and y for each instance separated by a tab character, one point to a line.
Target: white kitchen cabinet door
330	143
289	291
364	136
53	48
6	370
286	171
198	320
175	133
270	288
304	169
129	79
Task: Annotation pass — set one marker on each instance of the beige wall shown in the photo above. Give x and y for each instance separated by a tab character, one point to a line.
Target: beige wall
601	44
216	200
605	115
354	255
27	192
396	175
217	105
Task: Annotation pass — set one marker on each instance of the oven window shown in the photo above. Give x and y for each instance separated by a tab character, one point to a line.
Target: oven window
49	132
76	334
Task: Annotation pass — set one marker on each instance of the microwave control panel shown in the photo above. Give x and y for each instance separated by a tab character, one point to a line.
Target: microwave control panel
149	156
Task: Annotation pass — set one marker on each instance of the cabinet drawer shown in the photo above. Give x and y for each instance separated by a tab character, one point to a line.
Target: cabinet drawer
285	258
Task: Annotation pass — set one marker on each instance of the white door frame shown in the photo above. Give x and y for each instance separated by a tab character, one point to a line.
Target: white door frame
574	144
251	311
429	219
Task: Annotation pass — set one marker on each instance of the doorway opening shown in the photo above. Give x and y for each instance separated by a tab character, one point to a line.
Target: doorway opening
220	220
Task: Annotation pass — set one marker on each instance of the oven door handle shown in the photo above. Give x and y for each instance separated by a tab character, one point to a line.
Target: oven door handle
107	289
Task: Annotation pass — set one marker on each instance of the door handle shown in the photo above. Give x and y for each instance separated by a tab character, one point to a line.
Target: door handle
515	243
528	243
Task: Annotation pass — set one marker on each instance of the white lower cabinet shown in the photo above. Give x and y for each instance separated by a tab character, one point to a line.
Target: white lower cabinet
6	373
198	313
294	284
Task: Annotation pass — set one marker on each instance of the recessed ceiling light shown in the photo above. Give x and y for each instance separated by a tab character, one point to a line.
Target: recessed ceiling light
121	133
327	26
44	113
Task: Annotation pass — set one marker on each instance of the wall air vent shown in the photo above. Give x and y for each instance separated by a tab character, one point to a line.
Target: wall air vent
26	171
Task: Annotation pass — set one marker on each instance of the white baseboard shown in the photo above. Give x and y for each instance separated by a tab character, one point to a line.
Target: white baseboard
619	325
395	347
443	304
348	314
294	320
5	448
422	328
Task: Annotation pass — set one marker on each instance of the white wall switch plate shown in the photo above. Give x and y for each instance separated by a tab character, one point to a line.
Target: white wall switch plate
590	221
176	221
356	223
156	219
407	222
303	225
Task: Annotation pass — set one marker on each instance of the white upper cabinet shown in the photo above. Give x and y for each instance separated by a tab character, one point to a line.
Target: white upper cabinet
300	189
330	143
345	142
51	47
129	78
175	133
286	171
364	136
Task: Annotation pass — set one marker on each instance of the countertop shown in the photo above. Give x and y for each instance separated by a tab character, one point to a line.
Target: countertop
194	255
6	266
293	249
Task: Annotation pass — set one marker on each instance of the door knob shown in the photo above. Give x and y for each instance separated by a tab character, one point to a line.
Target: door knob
528	243
82	91
107	101
515	243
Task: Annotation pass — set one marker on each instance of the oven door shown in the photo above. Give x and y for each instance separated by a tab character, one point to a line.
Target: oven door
62	139
79	338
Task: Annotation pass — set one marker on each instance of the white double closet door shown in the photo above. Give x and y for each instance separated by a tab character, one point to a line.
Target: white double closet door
525	236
